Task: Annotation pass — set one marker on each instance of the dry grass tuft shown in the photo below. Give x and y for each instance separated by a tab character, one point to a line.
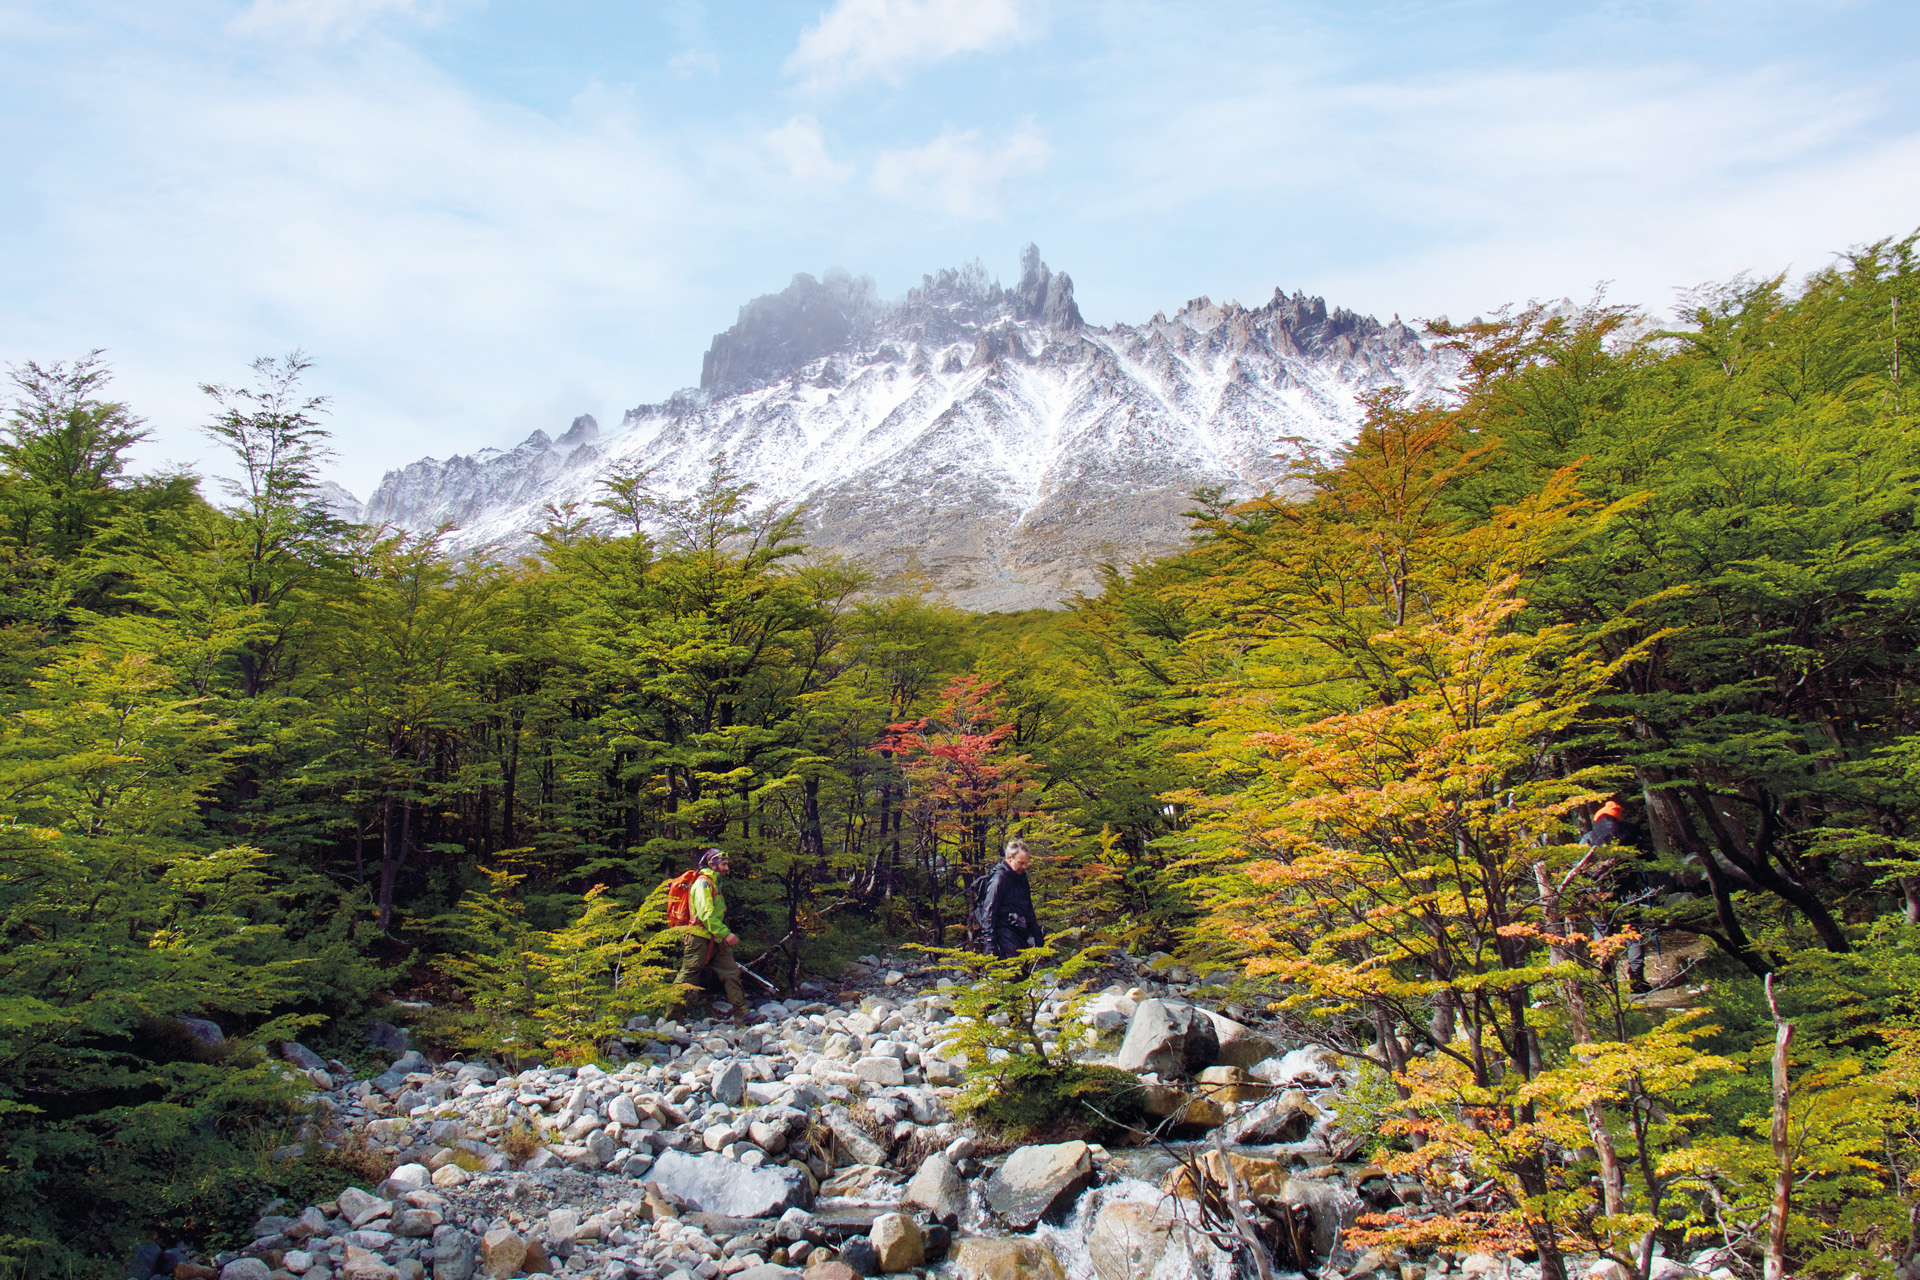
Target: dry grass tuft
357	1157
520	1141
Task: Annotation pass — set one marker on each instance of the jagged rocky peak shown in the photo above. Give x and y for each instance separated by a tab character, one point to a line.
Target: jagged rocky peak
977	439
584	430
779	332
1043	296
339	503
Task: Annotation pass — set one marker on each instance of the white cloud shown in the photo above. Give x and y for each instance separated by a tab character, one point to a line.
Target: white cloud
447	259
692	62
958	173
857	39
1459	190
324	18
799	145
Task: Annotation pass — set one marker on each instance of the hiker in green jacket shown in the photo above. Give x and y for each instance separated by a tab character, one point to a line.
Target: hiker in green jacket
709	945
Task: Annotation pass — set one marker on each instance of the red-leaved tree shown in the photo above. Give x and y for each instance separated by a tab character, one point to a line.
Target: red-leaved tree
965	790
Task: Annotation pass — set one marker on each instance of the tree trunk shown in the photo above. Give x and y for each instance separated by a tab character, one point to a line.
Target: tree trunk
1760	870
1613	1180
1667	814
392	858
1774	1265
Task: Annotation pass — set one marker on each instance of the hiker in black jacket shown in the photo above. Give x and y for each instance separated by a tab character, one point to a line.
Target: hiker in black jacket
1008	922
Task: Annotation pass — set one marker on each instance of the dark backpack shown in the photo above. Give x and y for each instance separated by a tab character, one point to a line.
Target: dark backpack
982	936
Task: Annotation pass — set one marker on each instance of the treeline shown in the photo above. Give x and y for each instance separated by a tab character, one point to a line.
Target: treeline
270	770
267	769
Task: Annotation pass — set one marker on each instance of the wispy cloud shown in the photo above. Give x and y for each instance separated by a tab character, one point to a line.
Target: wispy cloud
471	250
859	39
331	18
961	174
368	206
692	62
1521	181
799	145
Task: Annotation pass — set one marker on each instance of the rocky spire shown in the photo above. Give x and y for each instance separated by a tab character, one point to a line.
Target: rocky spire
1043	296
777	332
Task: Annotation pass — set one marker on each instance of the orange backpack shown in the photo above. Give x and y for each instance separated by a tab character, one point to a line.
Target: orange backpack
680	900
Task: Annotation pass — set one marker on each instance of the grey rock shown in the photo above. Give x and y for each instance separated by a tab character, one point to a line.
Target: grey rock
880	1071
938	1188
262	1245
1286	1117
1331	1208
715	1184
416	1224
601	1146
208	1033
940	1072
301	1056
453	1254
1039	1182
357	1207
855	1145
384	1035
411	1060
145	1259
730	1083
245	1269
767	1271
409	1177
1240	1046
860	1254
623	1113
771	1138
1172	1039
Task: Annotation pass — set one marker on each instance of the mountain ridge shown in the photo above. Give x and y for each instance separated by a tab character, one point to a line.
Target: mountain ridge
981	441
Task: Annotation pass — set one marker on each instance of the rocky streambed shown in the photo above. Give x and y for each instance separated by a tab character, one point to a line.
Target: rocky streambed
820	1142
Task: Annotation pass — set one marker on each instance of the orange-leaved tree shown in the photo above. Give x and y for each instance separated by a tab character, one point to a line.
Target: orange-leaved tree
965	788
1372	839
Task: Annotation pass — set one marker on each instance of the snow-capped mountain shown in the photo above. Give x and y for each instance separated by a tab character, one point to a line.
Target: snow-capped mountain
983	441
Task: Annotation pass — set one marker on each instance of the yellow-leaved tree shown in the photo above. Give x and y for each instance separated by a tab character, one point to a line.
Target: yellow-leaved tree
1387	835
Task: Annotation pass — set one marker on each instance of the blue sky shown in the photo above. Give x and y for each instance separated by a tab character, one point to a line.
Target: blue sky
484	217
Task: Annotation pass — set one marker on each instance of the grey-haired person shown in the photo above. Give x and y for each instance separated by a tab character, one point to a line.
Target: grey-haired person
1008	922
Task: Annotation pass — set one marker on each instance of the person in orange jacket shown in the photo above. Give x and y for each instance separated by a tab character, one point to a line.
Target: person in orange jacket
1610	827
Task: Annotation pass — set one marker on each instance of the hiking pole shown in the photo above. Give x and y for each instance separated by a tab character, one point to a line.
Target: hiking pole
757	978
791	935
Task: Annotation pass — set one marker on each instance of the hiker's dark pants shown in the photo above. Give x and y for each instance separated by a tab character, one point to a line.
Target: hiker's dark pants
698	954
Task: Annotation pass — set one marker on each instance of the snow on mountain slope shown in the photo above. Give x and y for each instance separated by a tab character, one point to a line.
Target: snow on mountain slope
981	441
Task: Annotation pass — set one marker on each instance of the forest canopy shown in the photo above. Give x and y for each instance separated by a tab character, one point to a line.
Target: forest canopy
272	771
